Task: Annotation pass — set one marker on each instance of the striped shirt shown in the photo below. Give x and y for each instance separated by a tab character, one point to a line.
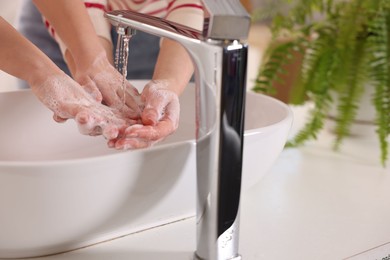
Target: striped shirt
186	12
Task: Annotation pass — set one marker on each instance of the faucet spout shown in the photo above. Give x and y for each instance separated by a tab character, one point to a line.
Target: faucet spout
220	61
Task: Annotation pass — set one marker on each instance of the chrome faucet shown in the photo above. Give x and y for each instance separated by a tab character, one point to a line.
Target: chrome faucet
220	61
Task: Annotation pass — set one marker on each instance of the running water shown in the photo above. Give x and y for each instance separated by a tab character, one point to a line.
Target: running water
122	57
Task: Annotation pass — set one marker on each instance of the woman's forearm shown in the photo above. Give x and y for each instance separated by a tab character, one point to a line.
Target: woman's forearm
21	58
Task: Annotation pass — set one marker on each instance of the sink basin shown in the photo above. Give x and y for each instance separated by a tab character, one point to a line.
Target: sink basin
60	190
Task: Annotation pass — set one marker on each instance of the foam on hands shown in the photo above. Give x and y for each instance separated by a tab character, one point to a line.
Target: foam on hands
67	100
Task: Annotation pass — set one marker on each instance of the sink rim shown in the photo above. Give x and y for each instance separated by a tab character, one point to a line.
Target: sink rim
44	163
288	117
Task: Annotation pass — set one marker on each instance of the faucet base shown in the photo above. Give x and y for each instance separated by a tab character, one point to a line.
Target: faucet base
196	257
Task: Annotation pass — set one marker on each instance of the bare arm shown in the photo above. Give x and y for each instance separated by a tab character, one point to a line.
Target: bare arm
71	21
173	64
54	88
22	59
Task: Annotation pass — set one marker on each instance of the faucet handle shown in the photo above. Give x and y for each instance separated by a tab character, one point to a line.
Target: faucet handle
225	20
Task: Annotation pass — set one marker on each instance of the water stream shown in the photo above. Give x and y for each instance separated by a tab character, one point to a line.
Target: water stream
121	59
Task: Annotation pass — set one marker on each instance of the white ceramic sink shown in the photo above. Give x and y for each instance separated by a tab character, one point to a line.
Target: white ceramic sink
60	190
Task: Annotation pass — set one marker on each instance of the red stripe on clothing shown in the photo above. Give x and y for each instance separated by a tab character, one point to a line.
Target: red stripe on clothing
171	3
138	1
157	11
185	6
50	28
95	5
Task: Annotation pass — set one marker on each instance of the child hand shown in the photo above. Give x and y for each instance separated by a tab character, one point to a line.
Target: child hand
160	118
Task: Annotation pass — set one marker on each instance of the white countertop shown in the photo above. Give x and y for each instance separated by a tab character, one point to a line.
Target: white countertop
313	204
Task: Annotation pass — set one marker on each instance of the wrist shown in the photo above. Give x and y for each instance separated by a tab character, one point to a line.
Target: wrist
90	55
88	61
41	72
168	84
91	65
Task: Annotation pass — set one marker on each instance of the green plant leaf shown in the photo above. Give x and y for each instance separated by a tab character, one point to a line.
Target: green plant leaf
346	48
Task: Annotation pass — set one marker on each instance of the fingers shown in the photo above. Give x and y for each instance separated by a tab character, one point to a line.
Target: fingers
93	91
141	136
164	127
154	133
59	119
154	109
100	122
129	98
110	132
110	82
67	100
158	104
88	124
131	143
160	118
94	118
90	87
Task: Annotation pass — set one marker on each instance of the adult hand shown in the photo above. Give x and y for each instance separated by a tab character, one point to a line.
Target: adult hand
105	83
160	117
88	55
68	100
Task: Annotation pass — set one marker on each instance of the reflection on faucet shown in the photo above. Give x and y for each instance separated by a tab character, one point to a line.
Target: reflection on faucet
220	61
